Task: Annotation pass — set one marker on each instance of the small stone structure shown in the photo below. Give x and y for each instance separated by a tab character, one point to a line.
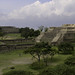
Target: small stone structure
56	35
9	29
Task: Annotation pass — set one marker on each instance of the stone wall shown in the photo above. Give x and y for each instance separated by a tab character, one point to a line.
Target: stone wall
56	35
13	41
9	29
14	44
4	48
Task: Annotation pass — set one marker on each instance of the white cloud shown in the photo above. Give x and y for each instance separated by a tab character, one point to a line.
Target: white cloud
44	13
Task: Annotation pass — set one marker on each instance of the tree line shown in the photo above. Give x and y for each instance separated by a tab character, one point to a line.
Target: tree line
29	32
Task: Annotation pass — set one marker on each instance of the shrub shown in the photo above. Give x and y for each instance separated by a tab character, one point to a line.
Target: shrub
66	48
59	70
18	73
65	70
70	61
69	71
48	71
12	67
38	65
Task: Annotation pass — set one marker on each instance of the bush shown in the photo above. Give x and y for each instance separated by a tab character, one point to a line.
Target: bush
18	73
65	70
66	48
69	71
70	61
48	71
38	65
59	70
12	67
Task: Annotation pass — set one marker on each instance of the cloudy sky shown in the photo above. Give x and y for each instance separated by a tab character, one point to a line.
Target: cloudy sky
34	13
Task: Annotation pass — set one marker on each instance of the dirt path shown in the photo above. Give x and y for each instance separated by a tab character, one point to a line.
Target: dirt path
22	61
1	68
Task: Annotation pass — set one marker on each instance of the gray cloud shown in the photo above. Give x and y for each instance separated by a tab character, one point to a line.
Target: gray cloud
53	13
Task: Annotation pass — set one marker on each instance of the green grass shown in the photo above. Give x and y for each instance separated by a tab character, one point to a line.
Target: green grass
15	36
59	59
1	43
12	36
21	67
6	58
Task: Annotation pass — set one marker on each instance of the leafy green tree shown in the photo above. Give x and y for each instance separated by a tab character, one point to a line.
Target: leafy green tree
36	51
31	32
25	32
45	29
52	53
66	48
41	28
36	33
20	30
41	50
1	33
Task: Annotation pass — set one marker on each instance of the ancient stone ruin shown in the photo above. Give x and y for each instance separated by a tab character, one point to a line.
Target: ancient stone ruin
9	29
56	35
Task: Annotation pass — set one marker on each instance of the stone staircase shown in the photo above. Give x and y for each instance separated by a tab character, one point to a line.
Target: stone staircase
39	37
55	39
48	36
59	37
52	36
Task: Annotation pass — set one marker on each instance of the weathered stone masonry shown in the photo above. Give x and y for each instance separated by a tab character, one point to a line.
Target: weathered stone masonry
9	29
56	35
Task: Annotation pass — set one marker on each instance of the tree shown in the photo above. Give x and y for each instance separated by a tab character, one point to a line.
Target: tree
25	32
36	51
66	48
36	33
1	33
45	29
41	50
41	28
31	32
53	51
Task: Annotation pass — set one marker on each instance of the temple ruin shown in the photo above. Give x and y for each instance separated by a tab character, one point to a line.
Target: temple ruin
9	29
56	35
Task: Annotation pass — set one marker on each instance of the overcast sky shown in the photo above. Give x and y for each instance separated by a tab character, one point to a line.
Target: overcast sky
34	13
